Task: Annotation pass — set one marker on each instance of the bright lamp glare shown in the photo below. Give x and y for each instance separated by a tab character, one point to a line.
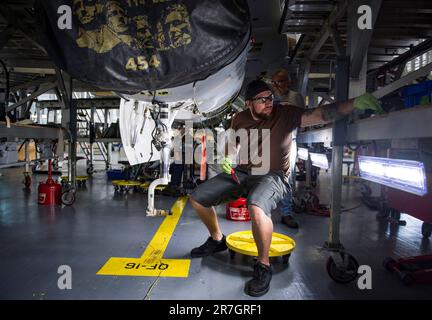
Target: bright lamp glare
303	153
319	160
404	175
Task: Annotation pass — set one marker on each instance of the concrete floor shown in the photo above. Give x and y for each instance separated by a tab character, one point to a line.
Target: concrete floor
35	240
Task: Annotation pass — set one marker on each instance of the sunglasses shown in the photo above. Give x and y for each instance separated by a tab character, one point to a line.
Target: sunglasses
278	82
264	99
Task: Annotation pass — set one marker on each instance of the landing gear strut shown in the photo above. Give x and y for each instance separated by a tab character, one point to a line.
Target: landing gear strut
162	142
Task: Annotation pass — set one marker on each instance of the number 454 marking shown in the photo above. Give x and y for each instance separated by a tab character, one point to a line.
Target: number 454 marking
141	63
151	263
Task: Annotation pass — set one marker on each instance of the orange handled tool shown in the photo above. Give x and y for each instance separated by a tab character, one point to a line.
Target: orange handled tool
234	176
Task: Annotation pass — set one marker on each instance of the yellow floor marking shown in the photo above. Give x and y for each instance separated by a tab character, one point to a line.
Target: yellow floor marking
151	263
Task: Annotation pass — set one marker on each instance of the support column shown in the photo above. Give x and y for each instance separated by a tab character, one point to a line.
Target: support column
308	164
109	154
27	157
304	79
339	134
106	119
73	132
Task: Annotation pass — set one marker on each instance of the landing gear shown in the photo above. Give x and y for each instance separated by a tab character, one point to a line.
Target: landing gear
162	142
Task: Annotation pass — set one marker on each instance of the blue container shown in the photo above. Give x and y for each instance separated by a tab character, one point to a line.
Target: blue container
417	94
116	174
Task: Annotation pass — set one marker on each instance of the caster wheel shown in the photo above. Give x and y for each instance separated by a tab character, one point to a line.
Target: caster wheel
395	214
68	197
383	212
388	264
426	229
126	189
285	258
407	278
55	165
343	273
90	170
232	254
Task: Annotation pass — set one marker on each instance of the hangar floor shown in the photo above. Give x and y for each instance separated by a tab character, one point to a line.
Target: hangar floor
35	240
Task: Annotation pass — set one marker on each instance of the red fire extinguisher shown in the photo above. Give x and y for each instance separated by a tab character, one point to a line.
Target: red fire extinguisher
237	210
50	191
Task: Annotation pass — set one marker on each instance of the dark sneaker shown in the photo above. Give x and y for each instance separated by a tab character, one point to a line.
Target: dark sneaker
209	247
289	221
260	282
171	191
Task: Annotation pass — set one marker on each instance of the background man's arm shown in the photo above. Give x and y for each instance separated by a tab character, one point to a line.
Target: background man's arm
327	113
336	111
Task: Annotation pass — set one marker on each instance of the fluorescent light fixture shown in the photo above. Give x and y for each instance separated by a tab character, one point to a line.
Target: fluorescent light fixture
405	175
303	153
319	160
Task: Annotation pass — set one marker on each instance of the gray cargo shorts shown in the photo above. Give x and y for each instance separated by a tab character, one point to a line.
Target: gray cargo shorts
263	191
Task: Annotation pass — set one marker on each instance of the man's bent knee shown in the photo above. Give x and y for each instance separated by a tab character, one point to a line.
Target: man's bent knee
255	212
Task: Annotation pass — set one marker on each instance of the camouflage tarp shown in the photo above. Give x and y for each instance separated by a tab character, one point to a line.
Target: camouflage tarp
134	45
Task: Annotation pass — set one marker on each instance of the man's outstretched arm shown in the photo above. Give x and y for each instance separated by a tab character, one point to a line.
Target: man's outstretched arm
336	111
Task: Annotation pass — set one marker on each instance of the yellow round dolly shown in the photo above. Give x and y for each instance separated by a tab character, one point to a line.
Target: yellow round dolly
116	183
145	185
244	243
125	185
80	180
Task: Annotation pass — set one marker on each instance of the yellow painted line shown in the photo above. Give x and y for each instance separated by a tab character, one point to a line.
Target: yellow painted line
158	244
151	263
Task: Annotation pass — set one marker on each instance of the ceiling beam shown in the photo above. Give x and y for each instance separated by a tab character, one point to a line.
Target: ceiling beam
32	96
28	63
27	30
33	83
334	17
415	51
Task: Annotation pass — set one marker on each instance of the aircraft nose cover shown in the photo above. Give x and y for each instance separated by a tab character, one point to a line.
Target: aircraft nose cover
134	45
